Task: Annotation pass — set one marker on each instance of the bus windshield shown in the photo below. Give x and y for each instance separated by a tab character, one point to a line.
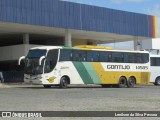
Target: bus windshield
37	53
32	62
32	66
47	65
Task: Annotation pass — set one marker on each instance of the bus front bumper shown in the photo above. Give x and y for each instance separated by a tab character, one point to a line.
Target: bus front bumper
30	81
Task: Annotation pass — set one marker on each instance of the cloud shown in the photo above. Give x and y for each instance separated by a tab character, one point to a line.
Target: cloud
121	1
154	11
135	0
117	1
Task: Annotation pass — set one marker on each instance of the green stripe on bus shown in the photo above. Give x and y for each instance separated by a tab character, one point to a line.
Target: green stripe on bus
83	72
91	71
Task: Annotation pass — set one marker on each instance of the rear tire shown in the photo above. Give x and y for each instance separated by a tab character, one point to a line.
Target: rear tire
47	86
131	82
157	82
63	82
122	82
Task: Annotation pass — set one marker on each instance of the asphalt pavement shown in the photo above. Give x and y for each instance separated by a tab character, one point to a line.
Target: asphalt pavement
21	97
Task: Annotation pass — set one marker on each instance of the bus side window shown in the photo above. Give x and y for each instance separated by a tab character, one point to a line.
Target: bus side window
103	57
82	56
65	55
131	58
145	58
78	55
126	58
153	61
51	60
118	57
157	61
89	56
92	56
110	57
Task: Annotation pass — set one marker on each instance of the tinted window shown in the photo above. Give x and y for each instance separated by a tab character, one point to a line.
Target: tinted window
126	59
78	55
36	53
51	60
92	56
131	58
155	61
65	55
105	56
145	58
117	57
138	58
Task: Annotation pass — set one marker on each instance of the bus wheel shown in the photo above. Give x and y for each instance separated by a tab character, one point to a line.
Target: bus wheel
122	82
63	82
131	82
47	86
157	82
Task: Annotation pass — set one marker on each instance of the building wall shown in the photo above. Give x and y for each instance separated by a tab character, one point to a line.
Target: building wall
151	44
14	52
62	14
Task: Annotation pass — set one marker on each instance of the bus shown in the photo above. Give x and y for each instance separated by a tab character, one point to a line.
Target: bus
155	69
84	64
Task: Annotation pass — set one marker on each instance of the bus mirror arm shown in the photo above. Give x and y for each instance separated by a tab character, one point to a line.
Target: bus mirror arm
21	58
40	60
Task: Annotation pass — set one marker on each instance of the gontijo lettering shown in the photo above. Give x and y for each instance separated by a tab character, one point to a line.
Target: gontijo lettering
125	67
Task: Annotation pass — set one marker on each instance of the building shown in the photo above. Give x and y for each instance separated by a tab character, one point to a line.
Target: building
29	23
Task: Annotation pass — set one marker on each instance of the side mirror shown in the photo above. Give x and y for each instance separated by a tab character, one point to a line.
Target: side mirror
21	58
40	60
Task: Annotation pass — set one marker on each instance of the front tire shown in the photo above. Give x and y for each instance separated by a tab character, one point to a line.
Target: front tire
122	82
63	82
157	82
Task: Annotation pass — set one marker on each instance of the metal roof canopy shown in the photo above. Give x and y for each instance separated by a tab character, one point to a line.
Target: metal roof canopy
7	28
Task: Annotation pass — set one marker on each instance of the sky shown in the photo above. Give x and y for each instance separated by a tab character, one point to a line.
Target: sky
138	6
151	7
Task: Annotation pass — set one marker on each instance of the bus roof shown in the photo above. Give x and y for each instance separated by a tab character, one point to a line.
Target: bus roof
46	47
86	47
90	47
154	55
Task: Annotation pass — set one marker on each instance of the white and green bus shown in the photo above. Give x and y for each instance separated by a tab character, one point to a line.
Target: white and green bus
99	65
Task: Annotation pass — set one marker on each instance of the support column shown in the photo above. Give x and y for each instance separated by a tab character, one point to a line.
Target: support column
26	39
137	44
68	38
158	52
